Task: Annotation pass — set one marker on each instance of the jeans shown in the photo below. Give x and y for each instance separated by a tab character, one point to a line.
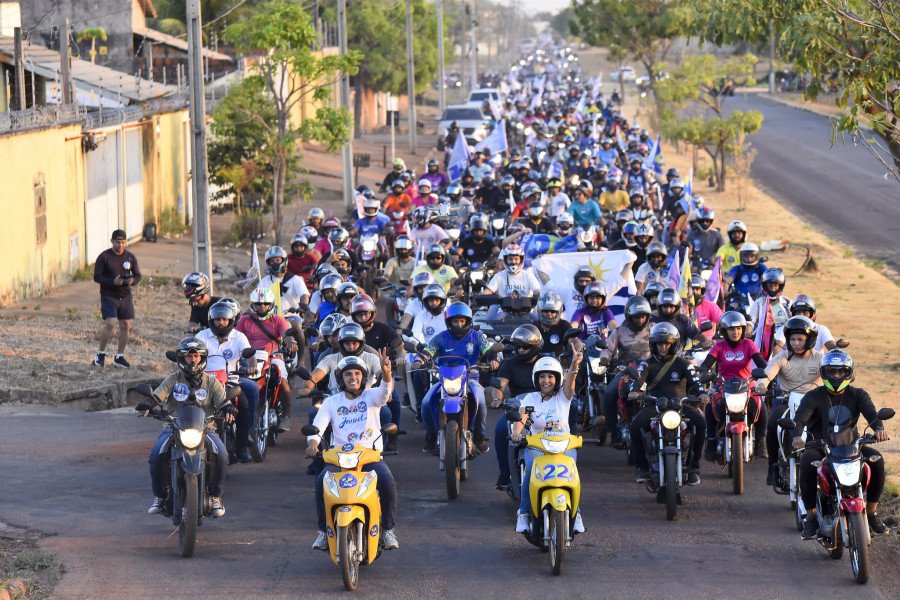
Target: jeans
611	406
387	494
530	455
159	474
477	417
772	432
247	419
640	424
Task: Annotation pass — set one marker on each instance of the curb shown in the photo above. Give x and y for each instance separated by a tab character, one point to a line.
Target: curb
112	395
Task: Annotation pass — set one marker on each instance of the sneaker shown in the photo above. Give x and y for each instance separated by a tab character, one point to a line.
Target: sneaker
693	477
578	525
119	361
642	476
709	451
244	456
772	477
321	542
875	523
157	506
503	483
389	540
522	522
430	444
99	359
810	527
481	443
284	424
218	509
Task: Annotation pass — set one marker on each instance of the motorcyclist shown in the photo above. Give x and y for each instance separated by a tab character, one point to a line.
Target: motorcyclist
652	268
616	225
770	312
344	295
796	369
191	359
417	286
585	211
626	242
458	202
555	200
327	303
643	236
438	180
292	291
425	197
427	324
425	232
607	153
400	266
224	345
704	240
704	310
836	369
637	175
551	405
303	260
804	306
479	167
551	325
397	200
667	375
315	217
489	197
477	246
373	222
730	253
323	245
594	318
462	341
746	278
565	224
397	167
196	288
674	194
434	264
614	198
652	292
669	311
352	376
515	278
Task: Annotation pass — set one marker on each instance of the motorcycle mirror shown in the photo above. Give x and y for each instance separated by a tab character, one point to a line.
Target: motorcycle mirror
513	416
497	347
786	423
886	413
303	373
170	354
764	259
411	346
842	343
707	377
407	331
389	429
144	389
758	373
248	352
309	430
706	326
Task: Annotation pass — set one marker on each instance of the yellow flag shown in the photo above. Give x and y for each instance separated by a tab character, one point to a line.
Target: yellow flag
276	289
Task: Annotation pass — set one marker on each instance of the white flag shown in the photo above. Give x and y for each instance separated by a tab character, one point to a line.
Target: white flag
496	142
254	274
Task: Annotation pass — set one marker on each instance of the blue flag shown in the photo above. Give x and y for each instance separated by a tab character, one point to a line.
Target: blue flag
538	244
496	141
459	158
654	159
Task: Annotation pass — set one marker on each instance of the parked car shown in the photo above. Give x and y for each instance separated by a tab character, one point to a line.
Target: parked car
625	74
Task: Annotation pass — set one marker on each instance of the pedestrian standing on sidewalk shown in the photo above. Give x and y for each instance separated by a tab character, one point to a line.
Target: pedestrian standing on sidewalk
116	270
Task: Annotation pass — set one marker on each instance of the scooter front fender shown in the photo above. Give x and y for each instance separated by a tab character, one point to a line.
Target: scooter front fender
558	499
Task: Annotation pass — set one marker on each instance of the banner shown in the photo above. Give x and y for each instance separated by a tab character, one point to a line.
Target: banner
673	277
495	109
459	158
598	82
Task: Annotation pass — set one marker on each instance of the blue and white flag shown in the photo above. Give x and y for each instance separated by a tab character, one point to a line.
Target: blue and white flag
496	141
689	188
459	158
654	159
538	244
495	108
598	81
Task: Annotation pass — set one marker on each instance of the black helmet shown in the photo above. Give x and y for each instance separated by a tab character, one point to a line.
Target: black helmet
669	297
527	336
581	273
836	369
549	302
635	307
773	277
477	223
222	310
191	344
653	290
434	290
665	332
803	302
347	363
673	172
733	318
348	333
801	325
195	284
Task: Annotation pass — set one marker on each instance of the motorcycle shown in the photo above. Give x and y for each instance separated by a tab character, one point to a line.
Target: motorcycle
228	431
187	453
474	277
596	378
516	311
370	253
842	478
738	430
554	488
352	506
270	409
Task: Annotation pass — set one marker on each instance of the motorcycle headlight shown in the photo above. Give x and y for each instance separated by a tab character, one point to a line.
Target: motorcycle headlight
365	483
190	438
596	367
331	484
453	386
348	460
555	446
369	245
735	403
670	419
476	275
847	473
497	223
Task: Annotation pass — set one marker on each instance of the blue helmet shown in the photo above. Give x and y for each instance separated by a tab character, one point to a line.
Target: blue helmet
458	309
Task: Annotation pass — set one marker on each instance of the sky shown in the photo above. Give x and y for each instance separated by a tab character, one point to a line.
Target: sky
554	6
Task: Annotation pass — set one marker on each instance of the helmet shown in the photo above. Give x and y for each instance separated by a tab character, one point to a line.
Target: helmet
330	223
513	250
435	256
341	255
273	253
403	246
749	254
527	336
351	332
529	189
455	310
836	369
547	364
323	270
705	218
222	310
347	288
801	325
191	344
424	183
673	172
554	183
643	233
733	318
669	297
262	295
399	165
195	284
735	228
803	302
549	301
347	363
583	272
398	184
637	306
773	277
421	280
422	217
508	182
365	191
235	305
330	282
371	206
535	209
310	233
624	215
332	324
433	163
565	223
697	281
406	176
363	303
652	291
339	237
434	290
628	233
595	289
657	254
315	213
606	140
299	240
665	332
636	191
454	190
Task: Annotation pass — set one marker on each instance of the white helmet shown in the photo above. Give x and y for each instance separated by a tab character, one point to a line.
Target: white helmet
547	364
425	183
737	226
347	363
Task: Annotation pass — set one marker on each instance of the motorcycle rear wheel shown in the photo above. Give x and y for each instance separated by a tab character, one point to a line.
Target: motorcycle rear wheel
259	435
557	540
857	529
671	488
451	459
346	554
737	463
187	529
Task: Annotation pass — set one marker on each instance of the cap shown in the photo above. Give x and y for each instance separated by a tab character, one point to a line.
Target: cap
118	234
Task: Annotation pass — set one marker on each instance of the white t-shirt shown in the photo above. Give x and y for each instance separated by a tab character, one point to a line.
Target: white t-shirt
315	300
296	289
413	308
426	325
552	414
329	364
555	205
353	421
823	337
505	283
649	274
424	238
223	356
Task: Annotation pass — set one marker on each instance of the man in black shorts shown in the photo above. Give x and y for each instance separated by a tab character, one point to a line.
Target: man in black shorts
116	270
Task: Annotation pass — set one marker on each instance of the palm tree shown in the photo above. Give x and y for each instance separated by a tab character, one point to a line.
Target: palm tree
93	33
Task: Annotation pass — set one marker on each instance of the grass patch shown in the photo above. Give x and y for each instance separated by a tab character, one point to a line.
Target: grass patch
35	569
85	273
246	229
171	223
874	263
71	314
848	252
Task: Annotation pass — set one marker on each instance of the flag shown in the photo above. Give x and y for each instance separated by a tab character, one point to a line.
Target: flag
276	289
459	158
621	141
765	331
689	187
495	108
714	284
653	160
598	81
685	282
511	202
579	108
535	101
496	141
254	274
538	244
360	208
673	278
612	268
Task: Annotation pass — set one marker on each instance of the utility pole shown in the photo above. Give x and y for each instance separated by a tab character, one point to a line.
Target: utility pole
410	78
771	57
473	51
19	51
64	64
347	149
199	167
442	92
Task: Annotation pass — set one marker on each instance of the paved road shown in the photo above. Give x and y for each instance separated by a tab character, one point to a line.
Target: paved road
841	188
83	479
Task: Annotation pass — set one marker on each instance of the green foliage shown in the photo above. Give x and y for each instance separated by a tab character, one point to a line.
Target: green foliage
171	223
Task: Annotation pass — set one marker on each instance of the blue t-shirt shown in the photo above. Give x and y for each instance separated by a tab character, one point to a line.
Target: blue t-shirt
748	280
586	214
373	227
470	347
325	309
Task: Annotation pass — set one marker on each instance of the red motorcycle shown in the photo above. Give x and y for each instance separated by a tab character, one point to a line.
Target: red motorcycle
270	409
732	402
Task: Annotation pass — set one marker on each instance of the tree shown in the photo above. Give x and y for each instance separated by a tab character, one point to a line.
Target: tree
286	74
702	82
856	42
93	34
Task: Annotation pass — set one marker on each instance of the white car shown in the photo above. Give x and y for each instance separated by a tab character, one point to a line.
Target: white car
481	95
625	74
471	121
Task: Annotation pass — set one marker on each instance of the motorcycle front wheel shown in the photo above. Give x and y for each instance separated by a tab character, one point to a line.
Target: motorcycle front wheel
737	463
557	540
187	529
671	487
451	459
858	537
347	553
259	435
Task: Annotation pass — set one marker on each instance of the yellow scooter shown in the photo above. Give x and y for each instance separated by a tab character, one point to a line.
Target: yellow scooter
352	506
